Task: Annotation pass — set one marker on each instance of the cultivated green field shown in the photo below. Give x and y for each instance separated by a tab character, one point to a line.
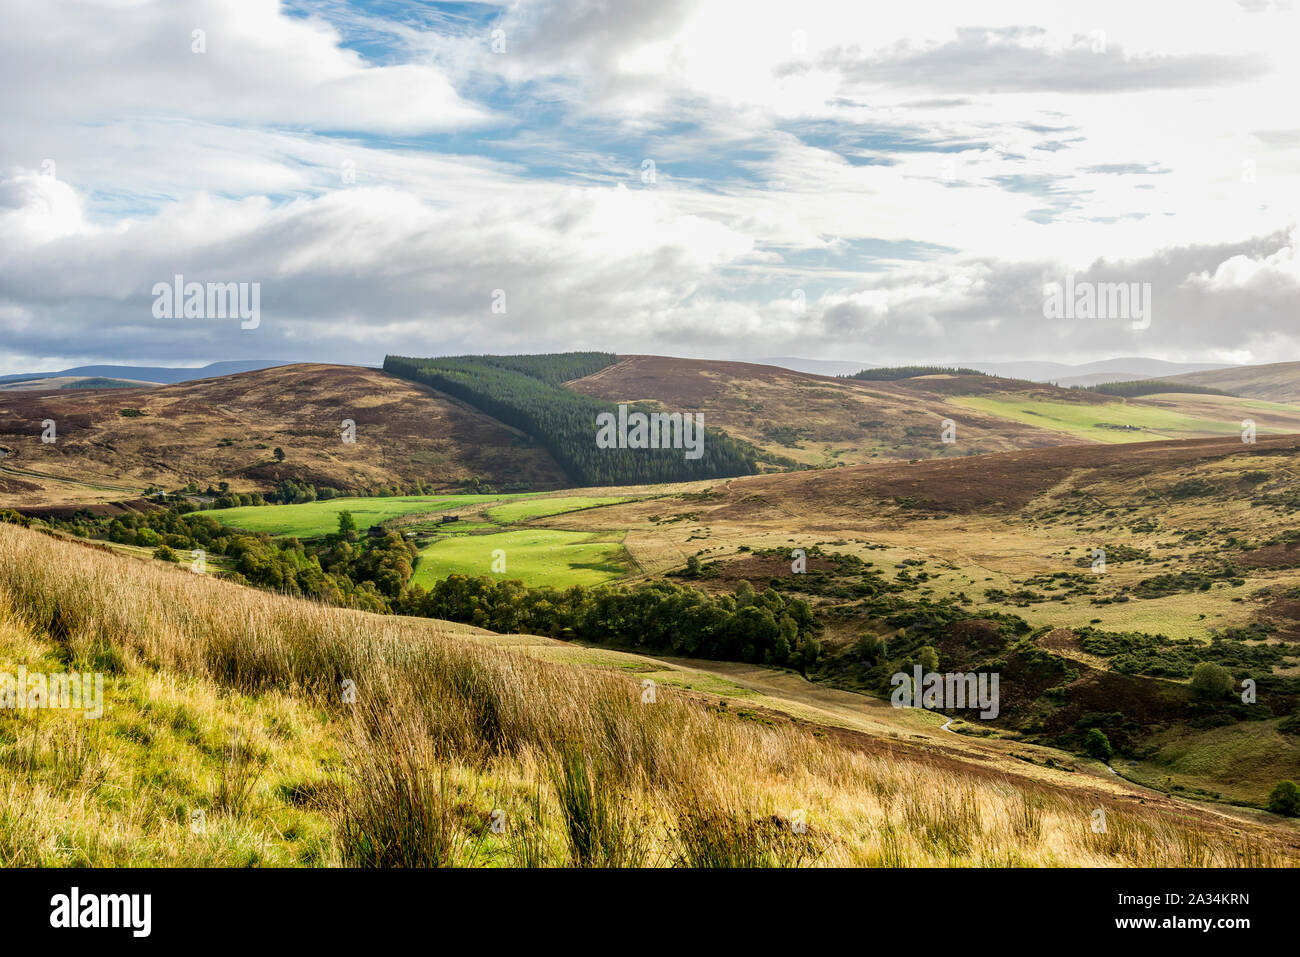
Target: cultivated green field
537	556
515	512
1113	422
321	518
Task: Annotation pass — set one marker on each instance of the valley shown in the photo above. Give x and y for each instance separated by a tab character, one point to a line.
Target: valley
1094	550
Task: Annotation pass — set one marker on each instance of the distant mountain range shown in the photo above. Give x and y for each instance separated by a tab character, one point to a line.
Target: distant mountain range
1087	373
1063	374
162	375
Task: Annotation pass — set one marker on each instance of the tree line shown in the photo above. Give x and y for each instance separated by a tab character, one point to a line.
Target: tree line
373	574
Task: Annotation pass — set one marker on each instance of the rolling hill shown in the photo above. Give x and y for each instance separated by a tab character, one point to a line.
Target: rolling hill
974	561
112	444
811	419
1274	382
818	420
1086	373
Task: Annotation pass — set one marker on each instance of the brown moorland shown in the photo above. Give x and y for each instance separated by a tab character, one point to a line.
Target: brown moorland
1000	482
227	428
816	419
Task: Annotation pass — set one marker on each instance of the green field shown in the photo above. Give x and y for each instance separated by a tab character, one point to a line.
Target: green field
515	512
1114	422
321	518
537	556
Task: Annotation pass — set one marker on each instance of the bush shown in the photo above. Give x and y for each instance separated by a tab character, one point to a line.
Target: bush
812	650
1097	745
1210	680
870	648
165	554
1285	799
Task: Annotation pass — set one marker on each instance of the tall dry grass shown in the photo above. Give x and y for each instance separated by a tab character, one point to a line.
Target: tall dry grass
444	735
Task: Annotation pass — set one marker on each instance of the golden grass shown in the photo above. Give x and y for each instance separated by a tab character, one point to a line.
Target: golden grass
459	753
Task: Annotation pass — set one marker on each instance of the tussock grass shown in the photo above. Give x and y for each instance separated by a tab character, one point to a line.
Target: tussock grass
231	700
598	811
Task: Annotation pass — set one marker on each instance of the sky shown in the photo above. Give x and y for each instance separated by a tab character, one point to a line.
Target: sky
891	183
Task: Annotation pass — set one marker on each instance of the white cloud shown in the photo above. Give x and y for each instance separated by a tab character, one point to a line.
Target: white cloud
915	170
93	61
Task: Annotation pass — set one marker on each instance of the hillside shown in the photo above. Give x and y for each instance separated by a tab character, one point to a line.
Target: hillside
1086	373
112	444
992	561
818	420
240	728
1274	382
810	419
527	393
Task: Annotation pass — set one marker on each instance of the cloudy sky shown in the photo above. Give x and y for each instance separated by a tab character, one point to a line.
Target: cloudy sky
886	182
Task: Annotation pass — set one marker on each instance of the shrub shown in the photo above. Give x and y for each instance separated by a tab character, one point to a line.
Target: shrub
1097	745
871	648
1210	680
1285	799
812	649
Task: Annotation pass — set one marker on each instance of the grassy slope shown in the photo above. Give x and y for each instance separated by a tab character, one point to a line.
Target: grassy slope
538	508
310	519
1276	381
454	728
1131	421
1125	497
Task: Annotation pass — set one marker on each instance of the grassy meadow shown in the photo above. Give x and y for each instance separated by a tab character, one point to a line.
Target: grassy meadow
489	523
310	519
226	739
536	556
